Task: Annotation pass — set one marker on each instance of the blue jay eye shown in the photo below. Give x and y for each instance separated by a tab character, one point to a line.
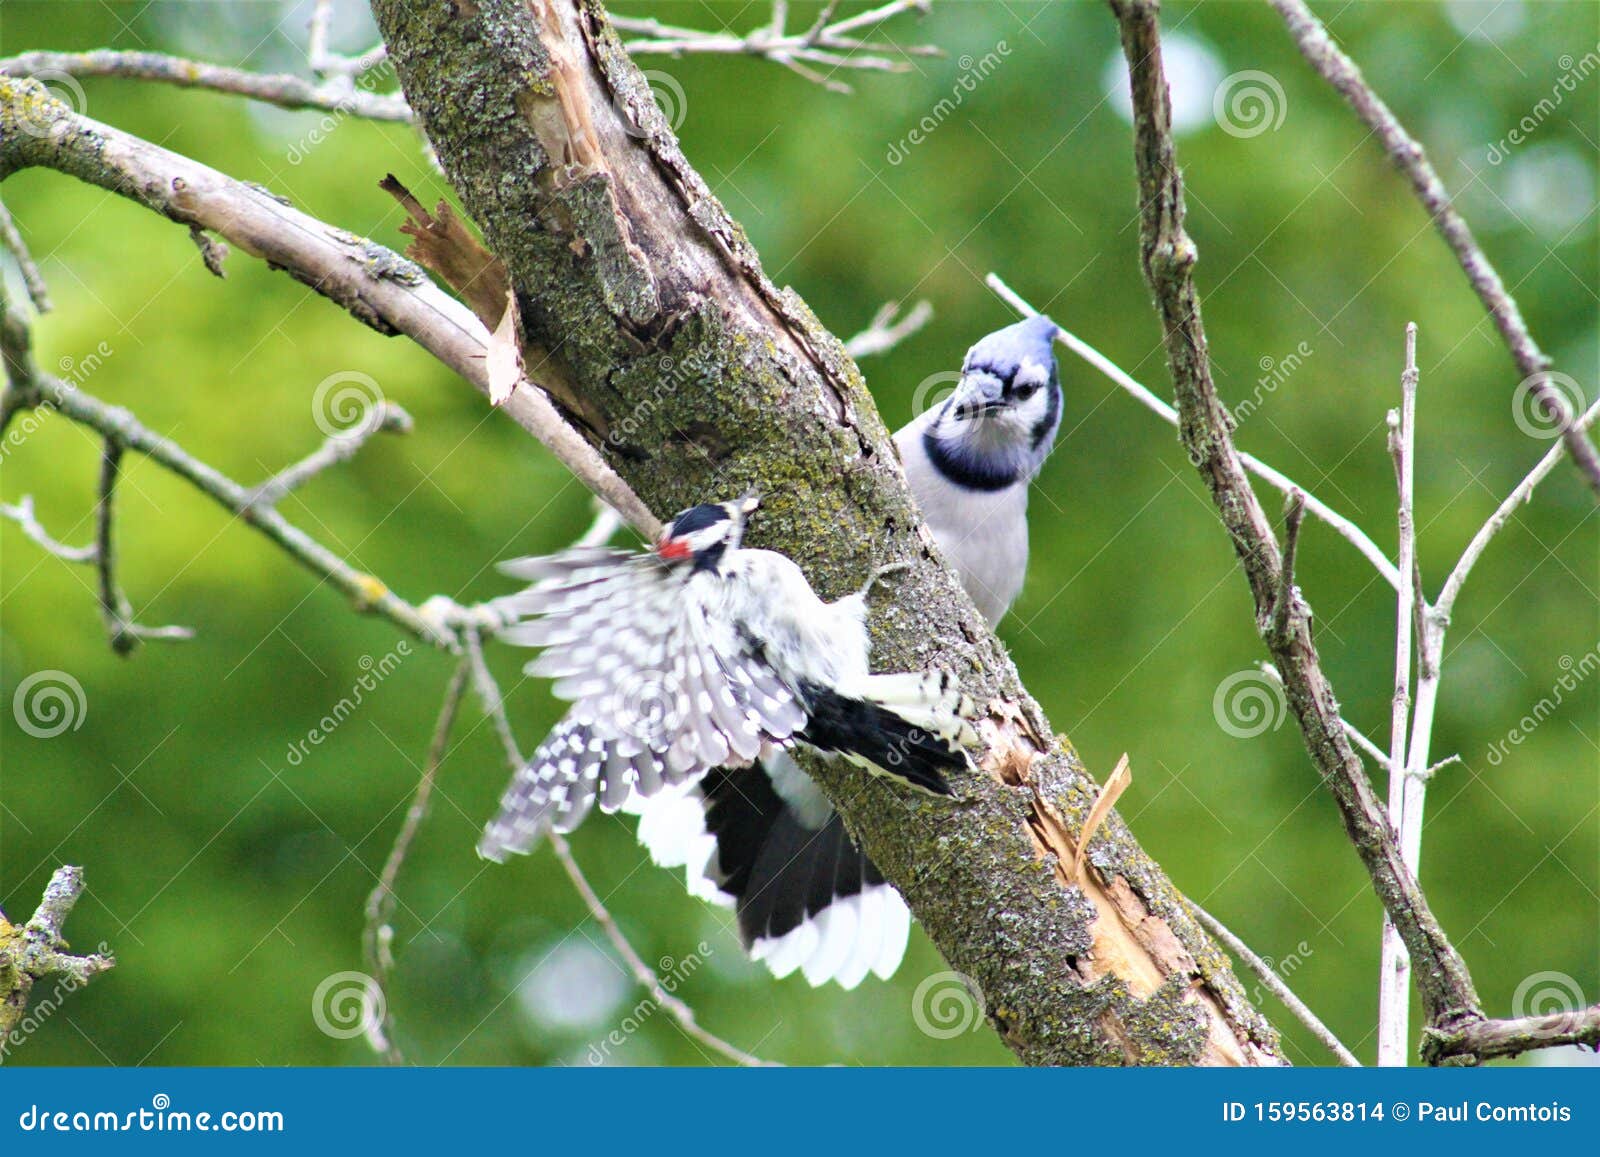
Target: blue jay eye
1025	391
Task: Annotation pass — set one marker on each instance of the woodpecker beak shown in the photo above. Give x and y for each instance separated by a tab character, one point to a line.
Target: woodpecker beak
673	549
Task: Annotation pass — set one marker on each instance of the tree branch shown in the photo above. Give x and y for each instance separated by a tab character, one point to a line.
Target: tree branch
834	44
285	91
1341	525
710	379
1168	256
887	329
32	952
1486	1040
1408	156
32	279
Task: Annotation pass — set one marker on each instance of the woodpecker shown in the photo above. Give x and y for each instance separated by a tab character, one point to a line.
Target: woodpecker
704	654
763	839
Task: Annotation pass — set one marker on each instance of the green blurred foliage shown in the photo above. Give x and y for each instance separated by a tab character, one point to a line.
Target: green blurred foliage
229	876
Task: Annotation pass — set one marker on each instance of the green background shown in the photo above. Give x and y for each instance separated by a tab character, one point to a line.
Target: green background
230	879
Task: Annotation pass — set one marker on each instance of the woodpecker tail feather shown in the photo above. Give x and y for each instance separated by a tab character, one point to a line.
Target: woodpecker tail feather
807	898
911	727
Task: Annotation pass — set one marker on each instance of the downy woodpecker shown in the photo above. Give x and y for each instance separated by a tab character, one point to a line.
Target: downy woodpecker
704	654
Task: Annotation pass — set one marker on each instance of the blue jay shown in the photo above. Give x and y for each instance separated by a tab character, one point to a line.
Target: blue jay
763	839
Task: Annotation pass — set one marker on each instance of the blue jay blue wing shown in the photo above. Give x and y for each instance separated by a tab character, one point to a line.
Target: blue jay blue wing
806	896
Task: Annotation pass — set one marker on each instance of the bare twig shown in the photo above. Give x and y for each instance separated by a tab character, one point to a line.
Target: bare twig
643	975
1275	985
35	950
325	62
11	238
1346	529
1394	978
124	633
384	417
1491	1039
1408	156
22	514
285	91
377	936
1360	740
1294	512
378	287
888	329
832	44
1168	255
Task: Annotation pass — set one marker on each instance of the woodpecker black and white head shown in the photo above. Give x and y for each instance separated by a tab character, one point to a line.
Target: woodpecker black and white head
704	534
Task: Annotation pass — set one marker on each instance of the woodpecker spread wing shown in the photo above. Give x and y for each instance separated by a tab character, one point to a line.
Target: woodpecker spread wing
663	689
806	896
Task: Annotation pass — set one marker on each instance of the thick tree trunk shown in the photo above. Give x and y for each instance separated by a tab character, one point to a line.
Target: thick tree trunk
698	378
